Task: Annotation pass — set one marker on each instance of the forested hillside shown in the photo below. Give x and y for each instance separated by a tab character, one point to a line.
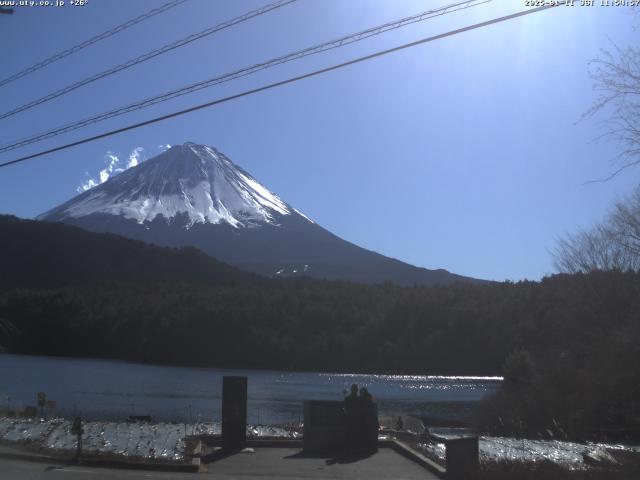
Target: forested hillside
49	255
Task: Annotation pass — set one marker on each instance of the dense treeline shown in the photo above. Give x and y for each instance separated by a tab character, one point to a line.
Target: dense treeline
462	329
292	324
580	378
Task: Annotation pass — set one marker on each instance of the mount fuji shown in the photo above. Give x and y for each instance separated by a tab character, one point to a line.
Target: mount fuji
193	195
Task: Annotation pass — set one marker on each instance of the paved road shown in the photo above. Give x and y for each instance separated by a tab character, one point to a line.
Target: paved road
264	463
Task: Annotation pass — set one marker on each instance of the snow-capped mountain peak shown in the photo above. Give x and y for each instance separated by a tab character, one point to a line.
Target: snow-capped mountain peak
190	179
193	195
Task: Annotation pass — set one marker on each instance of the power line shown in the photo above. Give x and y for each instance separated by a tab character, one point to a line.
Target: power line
147	56
323	47
91	41
284	82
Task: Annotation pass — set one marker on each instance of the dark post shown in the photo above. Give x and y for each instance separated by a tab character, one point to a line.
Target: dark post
42	398
77	430
234	412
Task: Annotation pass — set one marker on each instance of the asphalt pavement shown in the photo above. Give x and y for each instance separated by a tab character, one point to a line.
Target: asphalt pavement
286	463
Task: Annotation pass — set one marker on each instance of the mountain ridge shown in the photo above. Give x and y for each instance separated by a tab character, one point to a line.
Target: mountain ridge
193	195
74	256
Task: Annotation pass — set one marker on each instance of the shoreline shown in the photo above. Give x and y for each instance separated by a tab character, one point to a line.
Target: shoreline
354	373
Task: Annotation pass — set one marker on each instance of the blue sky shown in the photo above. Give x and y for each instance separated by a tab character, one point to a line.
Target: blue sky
464	154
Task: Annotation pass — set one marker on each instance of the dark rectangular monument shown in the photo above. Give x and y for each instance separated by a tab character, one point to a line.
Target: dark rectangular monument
234	413
462	457
324	425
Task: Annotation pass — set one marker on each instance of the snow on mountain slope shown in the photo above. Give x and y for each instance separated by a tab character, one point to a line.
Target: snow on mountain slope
190	179
193	195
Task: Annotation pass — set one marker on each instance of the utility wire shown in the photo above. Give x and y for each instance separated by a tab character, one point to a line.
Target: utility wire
356	37
284	82
91	41
147	56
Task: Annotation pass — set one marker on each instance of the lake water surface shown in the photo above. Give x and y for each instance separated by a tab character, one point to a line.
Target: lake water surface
105	389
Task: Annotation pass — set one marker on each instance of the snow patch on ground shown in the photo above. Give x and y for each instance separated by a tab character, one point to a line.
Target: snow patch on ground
148	441
569	455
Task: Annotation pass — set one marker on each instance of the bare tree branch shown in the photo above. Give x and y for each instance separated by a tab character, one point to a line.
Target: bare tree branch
616	77
613	244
